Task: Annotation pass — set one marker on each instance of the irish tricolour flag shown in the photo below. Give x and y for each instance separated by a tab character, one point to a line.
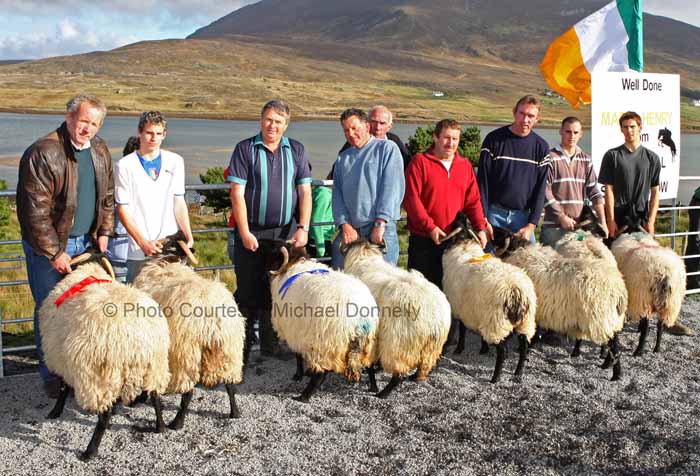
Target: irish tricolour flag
608	40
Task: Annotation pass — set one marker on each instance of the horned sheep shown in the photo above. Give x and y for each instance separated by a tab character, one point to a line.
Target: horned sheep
328	318
655	279
583	299
490	297
206	331
101	347
414	317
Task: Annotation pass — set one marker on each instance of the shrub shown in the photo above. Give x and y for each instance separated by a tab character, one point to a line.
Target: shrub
217	199
469	142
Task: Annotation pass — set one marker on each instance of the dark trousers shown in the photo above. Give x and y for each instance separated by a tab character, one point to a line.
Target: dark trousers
253	283
693	248
425	256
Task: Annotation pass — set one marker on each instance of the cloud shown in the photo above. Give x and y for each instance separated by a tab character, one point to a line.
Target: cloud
68	38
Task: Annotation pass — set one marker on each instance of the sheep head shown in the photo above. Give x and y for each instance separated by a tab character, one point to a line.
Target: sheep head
93	255
175	246
506	242
588	221
361	248
461	231
281	255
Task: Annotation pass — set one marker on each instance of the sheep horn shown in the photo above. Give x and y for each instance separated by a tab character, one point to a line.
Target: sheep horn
500	251
454	232
81	258
190	257
108	267
473	235
285	260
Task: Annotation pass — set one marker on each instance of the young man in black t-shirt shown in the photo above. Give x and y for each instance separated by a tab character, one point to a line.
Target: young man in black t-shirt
630	174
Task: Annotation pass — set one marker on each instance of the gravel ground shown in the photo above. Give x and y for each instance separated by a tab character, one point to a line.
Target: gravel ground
565	418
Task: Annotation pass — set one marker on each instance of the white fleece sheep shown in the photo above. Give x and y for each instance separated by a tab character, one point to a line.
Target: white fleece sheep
655	278
327	317
414	318
583	299
490	297
206	331
102	348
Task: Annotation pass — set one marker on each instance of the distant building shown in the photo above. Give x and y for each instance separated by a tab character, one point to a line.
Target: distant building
696	102
438	94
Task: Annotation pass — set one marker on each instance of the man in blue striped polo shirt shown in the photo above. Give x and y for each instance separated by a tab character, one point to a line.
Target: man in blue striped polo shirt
512	173
270	200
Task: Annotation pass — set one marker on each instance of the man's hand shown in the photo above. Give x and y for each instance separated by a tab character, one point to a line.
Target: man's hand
62	263
102	242
349	233
250	242
437	234
649	227
566	222
489	231
300	238
483	241
377	235
150	247
612	229
527	231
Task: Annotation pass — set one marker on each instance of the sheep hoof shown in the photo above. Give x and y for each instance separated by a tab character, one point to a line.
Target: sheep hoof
160	428
235	414
176	424
495	379
459	350
637	353
382	395
87	455
373	389
301	398
297	377
54	414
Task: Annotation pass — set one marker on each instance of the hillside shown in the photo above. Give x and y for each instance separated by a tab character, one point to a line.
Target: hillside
324	56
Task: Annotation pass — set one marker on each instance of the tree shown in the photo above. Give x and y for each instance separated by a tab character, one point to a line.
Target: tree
217	199
469	142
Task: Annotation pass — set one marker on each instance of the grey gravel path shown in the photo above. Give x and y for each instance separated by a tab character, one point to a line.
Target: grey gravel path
565	418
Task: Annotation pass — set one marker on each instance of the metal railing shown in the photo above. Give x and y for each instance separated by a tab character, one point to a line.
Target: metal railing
9	193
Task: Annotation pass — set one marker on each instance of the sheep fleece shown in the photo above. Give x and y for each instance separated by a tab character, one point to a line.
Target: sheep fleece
646	264
579	298
479	291
104	357
317	318
414	318
207	331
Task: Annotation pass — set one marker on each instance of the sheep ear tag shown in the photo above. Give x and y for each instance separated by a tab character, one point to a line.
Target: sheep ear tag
78	288
580	237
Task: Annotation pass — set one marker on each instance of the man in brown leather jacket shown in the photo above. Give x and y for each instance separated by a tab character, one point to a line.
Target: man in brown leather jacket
65	203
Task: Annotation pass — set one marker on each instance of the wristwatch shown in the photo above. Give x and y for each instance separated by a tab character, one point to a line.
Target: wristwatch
303	227
379	224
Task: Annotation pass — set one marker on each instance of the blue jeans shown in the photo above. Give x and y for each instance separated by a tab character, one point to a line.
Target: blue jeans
42	279
390	237
133	268
512	220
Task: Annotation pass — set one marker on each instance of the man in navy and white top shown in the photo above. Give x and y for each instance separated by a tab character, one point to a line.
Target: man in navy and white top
270	200
150	193
512	173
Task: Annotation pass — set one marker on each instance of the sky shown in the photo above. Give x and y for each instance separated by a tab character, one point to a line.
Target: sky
31	29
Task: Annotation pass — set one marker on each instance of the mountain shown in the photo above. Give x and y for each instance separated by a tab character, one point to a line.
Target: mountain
476	27
326	55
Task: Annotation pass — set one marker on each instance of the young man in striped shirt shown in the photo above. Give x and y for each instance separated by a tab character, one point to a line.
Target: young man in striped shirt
570	180
512	172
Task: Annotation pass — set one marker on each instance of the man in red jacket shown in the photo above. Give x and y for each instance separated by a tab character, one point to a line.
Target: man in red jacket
439	183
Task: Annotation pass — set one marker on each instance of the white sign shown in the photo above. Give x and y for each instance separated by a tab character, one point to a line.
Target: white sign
656	98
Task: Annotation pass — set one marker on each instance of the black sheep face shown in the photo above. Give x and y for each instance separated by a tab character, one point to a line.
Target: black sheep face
506	242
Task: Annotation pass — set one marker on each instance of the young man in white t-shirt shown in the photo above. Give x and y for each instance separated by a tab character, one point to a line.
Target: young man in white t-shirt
150	193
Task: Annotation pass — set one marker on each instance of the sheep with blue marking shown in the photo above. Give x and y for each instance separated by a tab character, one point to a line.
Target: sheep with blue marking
101	348
328	318
414	318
